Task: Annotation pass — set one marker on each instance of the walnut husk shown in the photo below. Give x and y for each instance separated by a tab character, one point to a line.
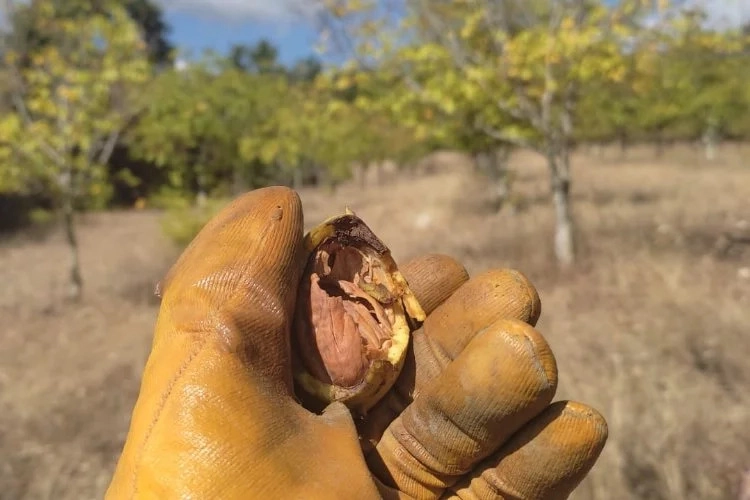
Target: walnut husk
354	317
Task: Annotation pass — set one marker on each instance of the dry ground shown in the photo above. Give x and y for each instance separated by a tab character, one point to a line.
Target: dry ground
651	327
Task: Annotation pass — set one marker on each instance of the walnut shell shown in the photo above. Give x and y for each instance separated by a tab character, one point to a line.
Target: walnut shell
354	317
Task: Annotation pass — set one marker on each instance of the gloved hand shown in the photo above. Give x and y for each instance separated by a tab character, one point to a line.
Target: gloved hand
470	416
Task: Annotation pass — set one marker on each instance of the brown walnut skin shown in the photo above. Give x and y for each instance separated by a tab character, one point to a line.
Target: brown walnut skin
354	316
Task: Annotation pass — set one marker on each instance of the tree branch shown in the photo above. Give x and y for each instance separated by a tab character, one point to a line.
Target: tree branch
48	149
109	146
17	98
462	59
503	137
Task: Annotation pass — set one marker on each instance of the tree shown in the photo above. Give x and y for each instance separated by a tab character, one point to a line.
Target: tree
302	134
347	133
712	63
316	130
684	80
664	86
130	176
72	100
520	65
263	57
27	38
305	70
150	18
390	125
197	118
414	109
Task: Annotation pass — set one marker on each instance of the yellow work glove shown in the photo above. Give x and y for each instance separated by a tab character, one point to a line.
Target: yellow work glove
470	416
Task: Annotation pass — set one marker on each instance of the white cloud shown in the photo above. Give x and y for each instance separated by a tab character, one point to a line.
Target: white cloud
181	64
245	10
724	13
720	14
227	10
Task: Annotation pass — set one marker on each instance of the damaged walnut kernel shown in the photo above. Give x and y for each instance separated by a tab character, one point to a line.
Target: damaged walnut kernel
355	314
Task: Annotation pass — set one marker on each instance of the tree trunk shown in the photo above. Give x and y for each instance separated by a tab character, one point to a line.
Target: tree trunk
494	166
710	139
325	180
201	198
360	172
558	158
76	280
377	171
201	176
239	185
659	150
560	184
622	138
710	150
297	178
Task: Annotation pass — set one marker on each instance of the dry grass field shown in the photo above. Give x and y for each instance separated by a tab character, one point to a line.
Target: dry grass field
651	327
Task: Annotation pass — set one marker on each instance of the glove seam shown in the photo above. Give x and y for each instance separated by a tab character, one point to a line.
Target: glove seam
438	353
158	412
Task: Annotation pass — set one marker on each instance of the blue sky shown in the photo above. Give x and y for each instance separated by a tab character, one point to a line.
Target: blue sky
200	24
217	24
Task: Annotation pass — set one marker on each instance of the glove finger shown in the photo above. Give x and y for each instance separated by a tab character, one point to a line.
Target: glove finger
433	278
477	304
548	458
237	281
492	295
506	376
